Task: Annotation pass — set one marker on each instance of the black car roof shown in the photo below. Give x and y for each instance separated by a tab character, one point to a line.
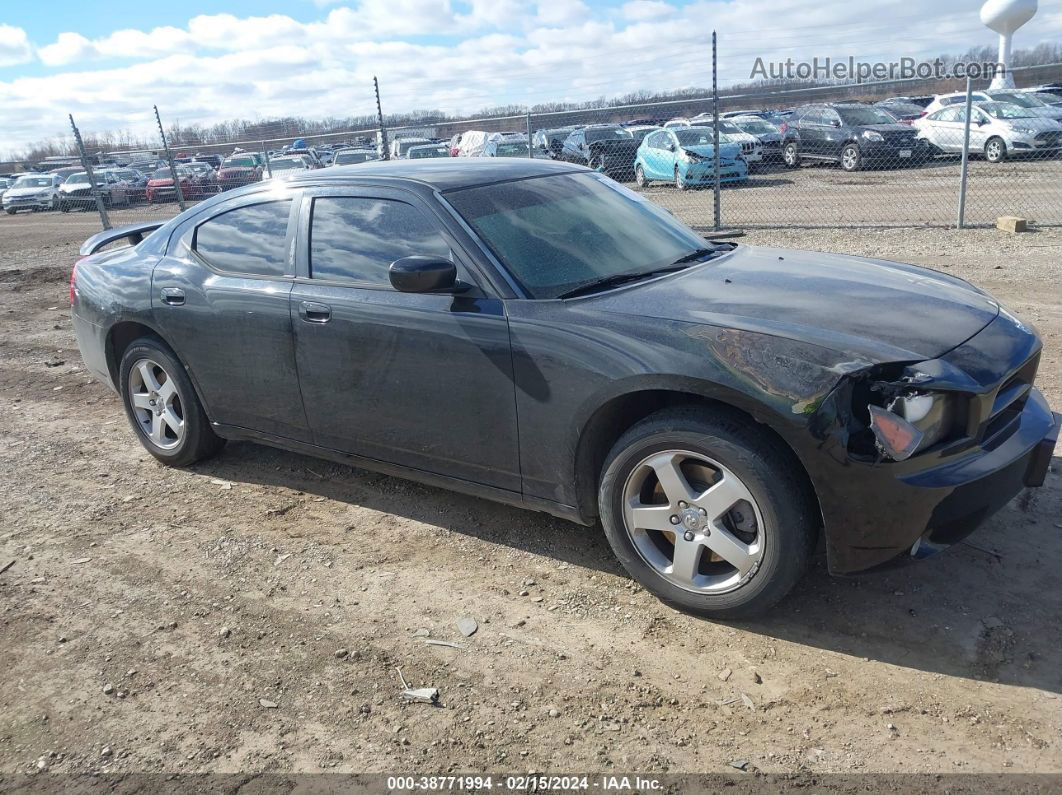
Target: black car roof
445	173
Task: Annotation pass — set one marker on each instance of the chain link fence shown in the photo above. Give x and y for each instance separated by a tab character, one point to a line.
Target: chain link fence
826	156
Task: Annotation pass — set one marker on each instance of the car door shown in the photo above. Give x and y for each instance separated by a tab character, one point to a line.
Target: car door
833	134
572	149
810	126
420	380
654	155
220	297
948	128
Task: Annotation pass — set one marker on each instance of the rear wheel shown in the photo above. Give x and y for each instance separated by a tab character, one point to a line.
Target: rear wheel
11	211
702	510
162	405
995	150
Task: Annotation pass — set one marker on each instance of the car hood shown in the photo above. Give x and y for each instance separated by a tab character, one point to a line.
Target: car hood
1039	123
725	150
875	310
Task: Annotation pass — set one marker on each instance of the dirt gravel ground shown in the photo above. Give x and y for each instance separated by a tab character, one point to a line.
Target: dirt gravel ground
248	614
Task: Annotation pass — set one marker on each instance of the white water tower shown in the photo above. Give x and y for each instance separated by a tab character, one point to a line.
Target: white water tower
1005	17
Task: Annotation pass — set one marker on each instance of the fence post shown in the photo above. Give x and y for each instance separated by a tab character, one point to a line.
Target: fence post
385	154
716	191
961	220
265	154
530	143
100	206
169	159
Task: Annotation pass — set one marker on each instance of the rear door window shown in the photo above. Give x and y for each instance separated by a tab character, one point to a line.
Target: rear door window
252	239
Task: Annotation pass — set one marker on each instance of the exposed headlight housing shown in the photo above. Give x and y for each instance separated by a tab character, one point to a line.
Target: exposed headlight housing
871	135
912	422
693	157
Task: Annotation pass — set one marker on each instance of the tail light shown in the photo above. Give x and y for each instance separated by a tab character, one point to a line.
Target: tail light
73	280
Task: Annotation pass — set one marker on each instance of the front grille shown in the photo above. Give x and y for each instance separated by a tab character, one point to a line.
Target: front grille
1008	402
1052	137
748	147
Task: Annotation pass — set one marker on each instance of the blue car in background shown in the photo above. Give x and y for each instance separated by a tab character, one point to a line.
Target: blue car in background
684	156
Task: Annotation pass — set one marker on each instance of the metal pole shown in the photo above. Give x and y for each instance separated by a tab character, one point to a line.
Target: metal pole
386	154
169	159
530	143
716	194
100	206
961	220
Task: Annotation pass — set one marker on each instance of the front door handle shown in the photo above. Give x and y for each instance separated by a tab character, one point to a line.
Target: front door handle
313	312
174	296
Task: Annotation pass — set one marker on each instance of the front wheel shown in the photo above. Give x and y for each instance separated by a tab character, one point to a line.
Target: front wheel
11	211
995	150
791	155
639	176
680	181
851	158
706	512
162	405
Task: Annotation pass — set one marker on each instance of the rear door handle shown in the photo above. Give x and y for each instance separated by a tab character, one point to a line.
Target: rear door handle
313	312
174	296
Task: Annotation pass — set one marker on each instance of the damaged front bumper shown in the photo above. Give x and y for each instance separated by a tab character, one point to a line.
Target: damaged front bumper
880	506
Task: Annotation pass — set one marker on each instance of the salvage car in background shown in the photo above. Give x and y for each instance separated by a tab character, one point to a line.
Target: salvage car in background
715	406
239	170
421	151
853	135
287	167
997	130
348	157
770	136
32	192
607	148
685	156
162	188
76	191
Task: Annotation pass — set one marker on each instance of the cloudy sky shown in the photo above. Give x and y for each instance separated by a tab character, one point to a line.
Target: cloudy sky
108	62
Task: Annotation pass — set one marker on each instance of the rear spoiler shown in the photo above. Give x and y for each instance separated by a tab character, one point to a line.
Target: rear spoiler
134	232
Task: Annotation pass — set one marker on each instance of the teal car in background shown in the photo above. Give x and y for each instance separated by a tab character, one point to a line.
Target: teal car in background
685	156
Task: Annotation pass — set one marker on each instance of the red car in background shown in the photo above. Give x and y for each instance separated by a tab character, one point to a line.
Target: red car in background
160	186
239	170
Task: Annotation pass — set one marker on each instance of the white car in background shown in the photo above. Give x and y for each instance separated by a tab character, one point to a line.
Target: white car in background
1022	99
33	192
997	130
400	146
751	148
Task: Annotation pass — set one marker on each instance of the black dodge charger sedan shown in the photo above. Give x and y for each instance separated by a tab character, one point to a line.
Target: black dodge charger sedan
532	332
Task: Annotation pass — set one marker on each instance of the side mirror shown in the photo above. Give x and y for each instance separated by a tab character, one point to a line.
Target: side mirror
419	274
835	122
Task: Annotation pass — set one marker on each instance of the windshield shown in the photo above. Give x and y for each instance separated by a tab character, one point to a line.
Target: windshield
239	162
695	136
32	182
404	146
164	173
756	127
512	150
287	163
1047	99
429	151
4	182
903	108
1004	110
558	232
609	134
1021	100
77	179
343	158
860	116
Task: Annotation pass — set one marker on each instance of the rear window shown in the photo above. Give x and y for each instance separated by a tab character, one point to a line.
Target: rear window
239	162
251	239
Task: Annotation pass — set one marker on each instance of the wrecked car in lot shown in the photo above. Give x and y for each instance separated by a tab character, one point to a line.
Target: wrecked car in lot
532	332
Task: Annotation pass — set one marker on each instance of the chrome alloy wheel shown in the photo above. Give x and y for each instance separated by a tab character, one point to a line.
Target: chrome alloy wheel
156	404
693	521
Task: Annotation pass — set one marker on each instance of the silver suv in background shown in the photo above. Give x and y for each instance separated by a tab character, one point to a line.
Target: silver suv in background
32	192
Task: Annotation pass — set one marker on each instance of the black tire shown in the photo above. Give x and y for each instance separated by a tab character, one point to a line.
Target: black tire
995	150
639	176
790	521
199	440
851	157
11	211
680	183
791	154
64	207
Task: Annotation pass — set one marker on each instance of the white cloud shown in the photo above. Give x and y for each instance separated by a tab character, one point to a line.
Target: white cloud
14	46
220	66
